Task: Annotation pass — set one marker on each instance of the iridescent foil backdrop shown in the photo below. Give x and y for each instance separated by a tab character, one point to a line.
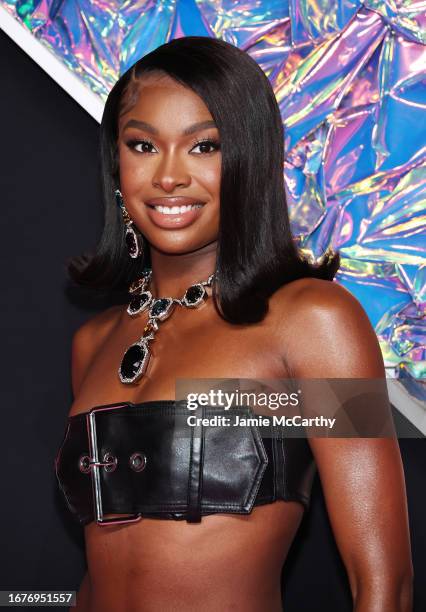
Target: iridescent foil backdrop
349	77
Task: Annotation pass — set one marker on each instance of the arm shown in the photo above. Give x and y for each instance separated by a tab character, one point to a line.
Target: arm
81	355
86	342
83	596
362	478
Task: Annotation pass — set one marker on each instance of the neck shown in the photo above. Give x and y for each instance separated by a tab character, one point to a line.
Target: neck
173	274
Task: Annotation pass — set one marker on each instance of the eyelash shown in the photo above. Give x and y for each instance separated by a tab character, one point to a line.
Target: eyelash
132	143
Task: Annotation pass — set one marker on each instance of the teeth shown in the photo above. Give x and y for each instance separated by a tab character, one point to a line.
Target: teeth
176	210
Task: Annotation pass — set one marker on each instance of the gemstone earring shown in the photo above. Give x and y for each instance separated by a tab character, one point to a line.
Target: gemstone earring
132	238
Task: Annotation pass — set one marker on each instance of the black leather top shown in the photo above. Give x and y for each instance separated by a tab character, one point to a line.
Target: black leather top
180	471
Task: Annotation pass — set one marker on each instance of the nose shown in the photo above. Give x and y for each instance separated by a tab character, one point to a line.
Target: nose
170	173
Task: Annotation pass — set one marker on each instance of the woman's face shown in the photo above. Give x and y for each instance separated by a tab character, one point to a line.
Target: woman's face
170	166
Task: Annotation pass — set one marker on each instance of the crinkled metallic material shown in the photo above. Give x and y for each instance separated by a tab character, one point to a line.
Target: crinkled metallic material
349	77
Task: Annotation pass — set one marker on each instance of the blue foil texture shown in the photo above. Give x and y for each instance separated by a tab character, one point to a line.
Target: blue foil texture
349	77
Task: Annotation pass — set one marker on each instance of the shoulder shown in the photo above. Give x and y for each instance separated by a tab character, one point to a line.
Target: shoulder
95	329
88	338
314	293
316	302
326	330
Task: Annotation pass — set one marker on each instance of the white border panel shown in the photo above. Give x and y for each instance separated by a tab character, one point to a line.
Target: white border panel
54	67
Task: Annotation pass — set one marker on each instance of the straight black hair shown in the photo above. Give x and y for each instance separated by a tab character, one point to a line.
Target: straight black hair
256	252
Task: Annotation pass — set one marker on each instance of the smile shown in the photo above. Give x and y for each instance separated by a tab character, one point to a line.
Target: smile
174	217
175	210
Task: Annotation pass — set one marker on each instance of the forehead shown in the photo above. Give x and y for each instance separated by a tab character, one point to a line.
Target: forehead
157	98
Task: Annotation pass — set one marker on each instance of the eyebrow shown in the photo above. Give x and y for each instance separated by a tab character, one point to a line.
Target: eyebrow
143	125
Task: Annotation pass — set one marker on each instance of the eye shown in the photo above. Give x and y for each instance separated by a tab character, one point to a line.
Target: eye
143	144
207	143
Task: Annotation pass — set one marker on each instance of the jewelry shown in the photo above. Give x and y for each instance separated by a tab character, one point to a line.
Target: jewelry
136	357
132	238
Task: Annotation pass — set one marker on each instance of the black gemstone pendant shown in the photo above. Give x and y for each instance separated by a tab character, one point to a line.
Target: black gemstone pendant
161	309
194	295
139	303
134	363
132	243
136	358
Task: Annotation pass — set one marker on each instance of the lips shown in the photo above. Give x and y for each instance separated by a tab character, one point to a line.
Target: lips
174	212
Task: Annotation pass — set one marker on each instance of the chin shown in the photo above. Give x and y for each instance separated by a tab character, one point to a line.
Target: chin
180	247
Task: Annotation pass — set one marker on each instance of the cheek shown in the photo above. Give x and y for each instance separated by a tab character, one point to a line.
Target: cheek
124	166
132	171
210	177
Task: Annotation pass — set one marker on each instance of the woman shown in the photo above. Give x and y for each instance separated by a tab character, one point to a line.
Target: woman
195	124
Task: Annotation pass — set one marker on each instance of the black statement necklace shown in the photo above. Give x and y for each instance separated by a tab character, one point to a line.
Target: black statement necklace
136	358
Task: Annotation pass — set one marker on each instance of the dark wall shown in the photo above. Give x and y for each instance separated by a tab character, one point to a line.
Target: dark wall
50	210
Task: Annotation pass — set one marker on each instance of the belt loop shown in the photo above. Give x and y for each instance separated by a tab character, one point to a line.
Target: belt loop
280	466
196	462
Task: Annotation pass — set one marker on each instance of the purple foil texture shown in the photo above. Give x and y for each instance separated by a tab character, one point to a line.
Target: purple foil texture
349	77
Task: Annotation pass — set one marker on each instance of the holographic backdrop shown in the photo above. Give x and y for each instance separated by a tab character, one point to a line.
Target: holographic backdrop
349	77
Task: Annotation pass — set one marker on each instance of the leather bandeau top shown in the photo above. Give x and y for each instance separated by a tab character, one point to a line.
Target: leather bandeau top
146	460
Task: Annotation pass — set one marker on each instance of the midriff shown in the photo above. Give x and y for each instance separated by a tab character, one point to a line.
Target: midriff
226	562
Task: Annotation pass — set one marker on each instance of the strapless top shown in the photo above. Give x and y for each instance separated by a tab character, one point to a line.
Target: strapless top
151	460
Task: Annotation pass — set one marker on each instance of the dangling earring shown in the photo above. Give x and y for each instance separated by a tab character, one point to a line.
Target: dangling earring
133	242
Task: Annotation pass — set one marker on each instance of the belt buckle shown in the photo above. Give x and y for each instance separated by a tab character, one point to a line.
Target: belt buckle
96	465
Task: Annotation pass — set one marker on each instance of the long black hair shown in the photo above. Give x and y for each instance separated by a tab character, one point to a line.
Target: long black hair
256	252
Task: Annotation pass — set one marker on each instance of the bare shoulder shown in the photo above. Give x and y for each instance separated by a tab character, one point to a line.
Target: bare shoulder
326	331
97	325
315	293
87	340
